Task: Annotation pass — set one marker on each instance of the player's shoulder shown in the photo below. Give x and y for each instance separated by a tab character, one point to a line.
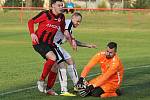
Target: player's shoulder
42	12
116	58
101	52
45	11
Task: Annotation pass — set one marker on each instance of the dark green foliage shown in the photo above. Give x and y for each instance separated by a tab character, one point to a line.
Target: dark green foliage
13	3
142	4
18	3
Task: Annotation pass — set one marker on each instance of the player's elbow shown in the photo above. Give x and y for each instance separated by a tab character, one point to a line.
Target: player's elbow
30	22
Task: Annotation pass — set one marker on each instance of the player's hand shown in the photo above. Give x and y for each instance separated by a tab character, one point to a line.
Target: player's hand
81	79
92	46
86	91
74	44
80	84
34	38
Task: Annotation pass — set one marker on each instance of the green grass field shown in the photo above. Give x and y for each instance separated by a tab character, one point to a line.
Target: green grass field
20	66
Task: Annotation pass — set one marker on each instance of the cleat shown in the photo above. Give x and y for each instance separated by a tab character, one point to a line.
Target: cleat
67	94
40	85
50	92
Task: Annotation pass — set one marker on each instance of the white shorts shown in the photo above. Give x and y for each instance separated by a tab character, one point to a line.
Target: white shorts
65	54
59	53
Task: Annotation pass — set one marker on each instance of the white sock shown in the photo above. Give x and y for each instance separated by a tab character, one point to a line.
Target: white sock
73	73
63	79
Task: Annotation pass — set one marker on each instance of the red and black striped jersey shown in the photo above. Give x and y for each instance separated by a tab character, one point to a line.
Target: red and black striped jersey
48	25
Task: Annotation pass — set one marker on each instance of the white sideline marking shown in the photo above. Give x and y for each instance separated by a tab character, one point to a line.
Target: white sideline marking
32	87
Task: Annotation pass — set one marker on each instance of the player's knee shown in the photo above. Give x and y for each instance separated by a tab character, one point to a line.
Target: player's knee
69	61
62	65
54	69
106	95
51	55
97	92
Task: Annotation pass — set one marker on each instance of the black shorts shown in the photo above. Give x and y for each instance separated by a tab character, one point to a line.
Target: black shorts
98	91
44	48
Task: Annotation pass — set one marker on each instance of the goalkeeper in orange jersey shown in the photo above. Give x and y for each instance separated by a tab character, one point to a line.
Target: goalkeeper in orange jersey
108	83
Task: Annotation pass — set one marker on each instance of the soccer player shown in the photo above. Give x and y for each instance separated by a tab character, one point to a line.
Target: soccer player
108	83
59	38
42	40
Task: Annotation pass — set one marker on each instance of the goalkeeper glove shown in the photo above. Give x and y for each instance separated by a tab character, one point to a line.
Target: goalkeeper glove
80	84
86	91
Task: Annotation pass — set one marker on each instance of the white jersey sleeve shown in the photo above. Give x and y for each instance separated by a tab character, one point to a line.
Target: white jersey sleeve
69	25
59	36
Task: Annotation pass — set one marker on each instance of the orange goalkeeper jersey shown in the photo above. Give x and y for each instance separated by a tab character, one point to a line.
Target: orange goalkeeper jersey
112	69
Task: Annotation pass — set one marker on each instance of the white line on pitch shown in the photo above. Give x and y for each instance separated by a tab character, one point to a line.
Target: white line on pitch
32	87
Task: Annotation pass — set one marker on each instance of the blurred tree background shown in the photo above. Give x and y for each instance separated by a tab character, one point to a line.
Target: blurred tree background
40	3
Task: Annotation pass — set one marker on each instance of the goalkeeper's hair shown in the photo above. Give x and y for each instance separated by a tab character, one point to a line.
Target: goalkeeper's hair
112	45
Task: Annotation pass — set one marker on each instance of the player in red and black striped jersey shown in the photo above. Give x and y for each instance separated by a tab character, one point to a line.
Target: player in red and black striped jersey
49	24
42	39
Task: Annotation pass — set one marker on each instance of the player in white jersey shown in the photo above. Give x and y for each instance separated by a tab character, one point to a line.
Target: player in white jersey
59	38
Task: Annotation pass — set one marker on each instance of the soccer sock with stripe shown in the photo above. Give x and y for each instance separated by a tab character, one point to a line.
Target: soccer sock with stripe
63	79
73	73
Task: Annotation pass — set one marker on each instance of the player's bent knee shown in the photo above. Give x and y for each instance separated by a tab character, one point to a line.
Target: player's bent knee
69	61
62	65
51	55
54	68
97	92
106	95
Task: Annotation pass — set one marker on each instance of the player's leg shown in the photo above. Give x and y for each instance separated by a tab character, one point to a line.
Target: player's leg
109	90
52	75
46	70
51	58
71	69
106	95
62	77
96	92
63	80
46	52
51	80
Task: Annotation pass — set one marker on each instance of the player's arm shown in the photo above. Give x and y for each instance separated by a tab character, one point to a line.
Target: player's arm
81	84
111	71
37	19
65	31
91	63
82	44
70	38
